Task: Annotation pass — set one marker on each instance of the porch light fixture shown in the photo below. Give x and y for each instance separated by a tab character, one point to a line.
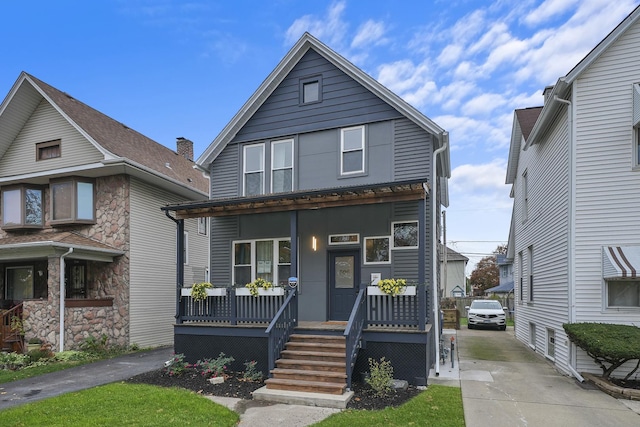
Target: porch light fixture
314	243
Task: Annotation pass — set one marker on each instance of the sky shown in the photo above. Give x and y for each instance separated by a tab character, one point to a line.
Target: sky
171	68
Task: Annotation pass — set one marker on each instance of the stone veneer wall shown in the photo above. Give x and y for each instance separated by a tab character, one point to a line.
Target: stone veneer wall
105	280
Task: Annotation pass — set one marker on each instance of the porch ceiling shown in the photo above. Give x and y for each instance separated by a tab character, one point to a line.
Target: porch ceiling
304	200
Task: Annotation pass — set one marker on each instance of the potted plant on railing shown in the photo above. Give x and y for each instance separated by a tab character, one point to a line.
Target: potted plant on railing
392	287
200	291
260	287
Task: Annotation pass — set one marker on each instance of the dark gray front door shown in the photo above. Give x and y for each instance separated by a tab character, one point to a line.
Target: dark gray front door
344	278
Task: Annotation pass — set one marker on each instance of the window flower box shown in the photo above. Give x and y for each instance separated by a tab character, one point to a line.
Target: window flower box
271	292
211	292
409	290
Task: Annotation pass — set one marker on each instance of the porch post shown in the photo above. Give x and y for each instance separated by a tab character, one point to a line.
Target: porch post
422	251
294	243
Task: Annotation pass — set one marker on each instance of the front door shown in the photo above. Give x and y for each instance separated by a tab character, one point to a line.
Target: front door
344	278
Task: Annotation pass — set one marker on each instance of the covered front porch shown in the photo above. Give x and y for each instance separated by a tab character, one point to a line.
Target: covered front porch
335	247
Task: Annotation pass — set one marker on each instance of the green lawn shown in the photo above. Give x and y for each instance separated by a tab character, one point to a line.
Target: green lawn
436	406
121	404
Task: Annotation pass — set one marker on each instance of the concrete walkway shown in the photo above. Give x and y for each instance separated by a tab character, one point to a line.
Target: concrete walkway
504	383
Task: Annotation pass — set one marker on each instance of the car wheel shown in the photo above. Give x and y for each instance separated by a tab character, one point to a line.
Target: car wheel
469	326
503	328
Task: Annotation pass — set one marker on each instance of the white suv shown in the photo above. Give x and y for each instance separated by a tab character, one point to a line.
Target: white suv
486	313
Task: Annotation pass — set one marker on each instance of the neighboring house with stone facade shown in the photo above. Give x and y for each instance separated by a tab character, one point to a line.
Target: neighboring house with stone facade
80	216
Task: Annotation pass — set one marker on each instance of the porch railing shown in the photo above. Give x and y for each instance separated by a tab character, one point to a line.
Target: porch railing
11	329
397	311
231	309
353	332
281	327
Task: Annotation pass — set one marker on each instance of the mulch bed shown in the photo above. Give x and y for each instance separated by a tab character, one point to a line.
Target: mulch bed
634	384
235	386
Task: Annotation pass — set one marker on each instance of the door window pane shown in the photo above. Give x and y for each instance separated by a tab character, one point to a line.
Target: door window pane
85	200
19	283
344	271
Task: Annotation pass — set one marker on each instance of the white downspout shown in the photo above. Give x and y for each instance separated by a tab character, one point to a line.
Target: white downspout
434	251
571	231
62	293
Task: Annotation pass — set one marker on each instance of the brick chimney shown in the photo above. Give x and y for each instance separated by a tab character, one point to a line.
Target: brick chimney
184	148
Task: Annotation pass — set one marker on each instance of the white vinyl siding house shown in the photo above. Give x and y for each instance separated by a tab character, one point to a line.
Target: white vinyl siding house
583	185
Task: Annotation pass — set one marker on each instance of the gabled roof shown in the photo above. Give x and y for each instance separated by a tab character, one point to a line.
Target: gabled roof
523	121
563	86
452	255
116	141
306	42
504	288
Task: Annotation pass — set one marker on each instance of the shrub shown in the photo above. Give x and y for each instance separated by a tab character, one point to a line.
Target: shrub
211	368
609	345
13	361
71	356
95	346
176	365
380	376
251	373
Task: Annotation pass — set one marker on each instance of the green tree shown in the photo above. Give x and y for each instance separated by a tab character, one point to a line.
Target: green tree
487	273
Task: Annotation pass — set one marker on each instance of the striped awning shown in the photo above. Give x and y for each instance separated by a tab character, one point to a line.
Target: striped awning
620	262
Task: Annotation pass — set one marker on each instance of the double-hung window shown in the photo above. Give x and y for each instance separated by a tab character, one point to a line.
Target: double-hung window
636	125
72	201
352	150
282	166
530	259
22	207
253	183
268	259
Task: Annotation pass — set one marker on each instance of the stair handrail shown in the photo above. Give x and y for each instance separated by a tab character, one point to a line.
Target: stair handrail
281	327
353	332
5	319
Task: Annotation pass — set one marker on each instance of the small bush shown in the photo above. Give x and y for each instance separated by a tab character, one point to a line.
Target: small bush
13	361
176	366
211	368
609	345
251	373
71	356
380	376
41	353
96	346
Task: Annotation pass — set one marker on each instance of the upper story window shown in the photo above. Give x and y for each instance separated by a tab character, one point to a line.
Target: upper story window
636	124
311	90
72	201
282	166
352	150
253	170
48	150
22	207
530	259
521	277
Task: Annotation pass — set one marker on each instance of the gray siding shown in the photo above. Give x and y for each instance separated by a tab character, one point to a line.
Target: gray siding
47	124
344	102
412	151
223	231
225	173
153	264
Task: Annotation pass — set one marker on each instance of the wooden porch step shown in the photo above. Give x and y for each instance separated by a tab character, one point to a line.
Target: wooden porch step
316	346
311	365
306	386
309	375
314	355
317	338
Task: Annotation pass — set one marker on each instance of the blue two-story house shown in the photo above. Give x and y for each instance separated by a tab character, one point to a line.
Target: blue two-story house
327	176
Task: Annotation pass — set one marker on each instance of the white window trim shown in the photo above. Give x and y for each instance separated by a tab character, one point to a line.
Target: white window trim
244	167
273	144
205	221
525	196
356	242
364	250
342	151
393	240
616	308
550	334
532	335
276	258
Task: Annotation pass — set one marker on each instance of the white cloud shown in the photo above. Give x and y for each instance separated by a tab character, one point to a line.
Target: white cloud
369	34
449	55
483	104
548	9
472	178
331	28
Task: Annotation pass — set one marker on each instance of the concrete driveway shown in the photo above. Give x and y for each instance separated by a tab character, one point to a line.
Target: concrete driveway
504	383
